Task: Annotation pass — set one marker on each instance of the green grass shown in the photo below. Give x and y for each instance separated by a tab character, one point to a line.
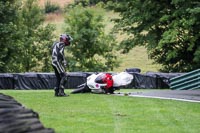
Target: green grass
137	58
95	113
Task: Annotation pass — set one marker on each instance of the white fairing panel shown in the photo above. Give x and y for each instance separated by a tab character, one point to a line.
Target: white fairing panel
122	79
92	84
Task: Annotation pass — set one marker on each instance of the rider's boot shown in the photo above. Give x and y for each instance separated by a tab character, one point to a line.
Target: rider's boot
61	92
56	89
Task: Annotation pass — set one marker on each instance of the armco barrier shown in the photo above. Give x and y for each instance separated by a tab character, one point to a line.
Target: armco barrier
75	79
150	80
6	81
33	80
188	81
143	81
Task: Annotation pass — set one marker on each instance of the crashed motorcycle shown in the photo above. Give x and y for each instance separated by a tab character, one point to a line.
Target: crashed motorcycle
104	83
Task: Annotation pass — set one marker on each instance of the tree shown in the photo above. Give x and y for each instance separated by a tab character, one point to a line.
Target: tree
91	49
25	41
170	30
37	38
8	33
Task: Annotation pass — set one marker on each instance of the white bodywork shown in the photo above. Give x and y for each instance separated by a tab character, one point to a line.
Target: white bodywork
95	87
120	79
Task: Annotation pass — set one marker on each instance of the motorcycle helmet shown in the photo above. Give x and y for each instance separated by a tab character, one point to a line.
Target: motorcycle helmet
66	39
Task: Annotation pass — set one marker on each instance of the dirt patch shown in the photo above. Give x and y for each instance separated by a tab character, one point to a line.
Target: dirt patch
57	16
54	17
61	3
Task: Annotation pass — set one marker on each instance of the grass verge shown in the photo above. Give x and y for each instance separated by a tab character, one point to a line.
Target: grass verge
95	113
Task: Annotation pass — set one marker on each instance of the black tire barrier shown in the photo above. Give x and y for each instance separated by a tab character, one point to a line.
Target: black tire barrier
6	81
14	118
133	70
149	80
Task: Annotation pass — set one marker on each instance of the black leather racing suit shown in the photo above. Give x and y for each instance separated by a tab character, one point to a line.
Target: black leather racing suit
58	60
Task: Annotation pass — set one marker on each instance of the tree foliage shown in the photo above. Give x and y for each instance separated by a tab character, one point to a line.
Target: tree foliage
8	38
91	49
169	29
25	41
37	38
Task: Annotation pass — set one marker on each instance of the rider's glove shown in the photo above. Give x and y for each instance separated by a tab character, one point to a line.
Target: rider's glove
65	63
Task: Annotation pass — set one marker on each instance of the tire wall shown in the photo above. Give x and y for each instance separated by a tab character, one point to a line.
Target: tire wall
149	80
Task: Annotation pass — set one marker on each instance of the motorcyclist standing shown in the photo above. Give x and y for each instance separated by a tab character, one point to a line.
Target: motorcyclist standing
59	63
